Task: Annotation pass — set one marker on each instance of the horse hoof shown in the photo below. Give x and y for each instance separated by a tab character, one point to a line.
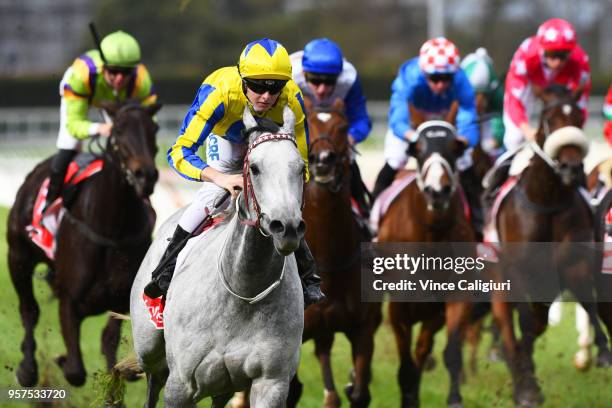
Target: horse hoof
530	399
455	405
75	377
331	399
27	375
582	360
430	363
604	359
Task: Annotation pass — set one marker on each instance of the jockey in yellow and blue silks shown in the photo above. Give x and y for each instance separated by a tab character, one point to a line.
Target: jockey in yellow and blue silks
89	82
324	75
430	84
262	81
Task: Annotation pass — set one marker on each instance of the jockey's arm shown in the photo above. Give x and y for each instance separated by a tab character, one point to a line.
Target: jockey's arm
357	114
399	114
467	117
206	110
230	182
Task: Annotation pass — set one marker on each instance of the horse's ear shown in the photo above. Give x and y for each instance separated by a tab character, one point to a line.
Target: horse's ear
153	109
308	104
451	117
110	107
248	119
460	145
288	120
338	105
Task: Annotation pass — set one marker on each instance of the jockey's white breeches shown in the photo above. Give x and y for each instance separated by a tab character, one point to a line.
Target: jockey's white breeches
513	135
396	154
220	153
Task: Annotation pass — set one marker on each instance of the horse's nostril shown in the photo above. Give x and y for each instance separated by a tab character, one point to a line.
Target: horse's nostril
139	174
276	227
301	229
446	190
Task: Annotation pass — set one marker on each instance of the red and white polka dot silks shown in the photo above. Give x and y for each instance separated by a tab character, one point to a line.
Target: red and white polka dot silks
439	56
557	34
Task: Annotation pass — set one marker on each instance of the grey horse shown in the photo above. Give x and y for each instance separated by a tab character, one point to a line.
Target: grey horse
233	316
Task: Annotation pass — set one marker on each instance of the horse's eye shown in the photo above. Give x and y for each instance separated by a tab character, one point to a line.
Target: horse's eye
254	169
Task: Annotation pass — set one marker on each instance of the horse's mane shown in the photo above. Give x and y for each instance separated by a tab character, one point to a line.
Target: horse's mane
558	90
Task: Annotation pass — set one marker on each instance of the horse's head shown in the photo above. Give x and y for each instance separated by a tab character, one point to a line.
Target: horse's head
132	144
436	151
329	153
560	132
274	179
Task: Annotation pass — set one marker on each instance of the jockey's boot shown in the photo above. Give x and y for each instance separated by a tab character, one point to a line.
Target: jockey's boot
59	164
162	275
359	191
307	269
384	180
472	188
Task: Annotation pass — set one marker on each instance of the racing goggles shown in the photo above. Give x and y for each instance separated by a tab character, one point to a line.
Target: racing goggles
126	71
560	55
435	78
261	86
318	79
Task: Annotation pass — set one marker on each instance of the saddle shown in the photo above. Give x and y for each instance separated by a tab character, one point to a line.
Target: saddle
42	230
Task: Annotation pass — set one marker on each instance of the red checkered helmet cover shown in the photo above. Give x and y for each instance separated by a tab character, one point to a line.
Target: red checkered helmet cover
439	56
556	34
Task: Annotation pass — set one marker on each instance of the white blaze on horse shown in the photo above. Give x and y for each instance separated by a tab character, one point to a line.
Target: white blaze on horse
234	313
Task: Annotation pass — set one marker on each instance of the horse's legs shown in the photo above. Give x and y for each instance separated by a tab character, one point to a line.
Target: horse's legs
425	341
533	320
269	393
582	358
219	401
502	313
72	362
323	346
155	383
604	356
362	346
110	341
457	315
177	393
295	391
408	375
21	270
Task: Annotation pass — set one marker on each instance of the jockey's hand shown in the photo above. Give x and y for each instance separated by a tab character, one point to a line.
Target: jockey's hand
230	182
409	135
105	129
528	131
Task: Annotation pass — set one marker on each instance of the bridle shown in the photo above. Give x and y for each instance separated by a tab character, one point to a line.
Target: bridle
247	190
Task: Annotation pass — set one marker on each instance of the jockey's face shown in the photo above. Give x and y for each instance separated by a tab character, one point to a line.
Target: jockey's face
555	59
321	86
439	83
118	78
263	94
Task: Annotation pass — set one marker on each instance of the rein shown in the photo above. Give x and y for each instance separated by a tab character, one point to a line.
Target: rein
263	294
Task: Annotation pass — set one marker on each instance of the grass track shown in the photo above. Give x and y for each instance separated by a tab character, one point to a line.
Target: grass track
562	385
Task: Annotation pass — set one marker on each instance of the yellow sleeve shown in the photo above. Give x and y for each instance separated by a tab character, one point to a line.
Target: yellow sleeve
301	127
207	109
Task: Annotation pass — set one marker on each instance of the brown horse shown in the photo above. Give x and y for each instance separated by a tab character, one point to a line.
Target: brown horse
335	240
545	206
100	242
429	210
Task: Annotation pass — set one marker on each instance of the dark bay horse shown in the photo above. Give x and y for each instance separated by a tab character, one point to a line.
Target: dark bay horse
546	206
335	238
100	242
429	210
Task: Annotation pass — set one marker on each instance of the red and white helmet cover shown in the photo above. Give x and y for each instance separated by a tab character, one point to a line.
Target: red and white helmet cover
439	56
557	34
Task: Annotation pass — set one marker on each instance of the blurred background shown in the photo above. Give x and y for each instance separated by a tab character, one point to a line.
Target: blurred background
185	40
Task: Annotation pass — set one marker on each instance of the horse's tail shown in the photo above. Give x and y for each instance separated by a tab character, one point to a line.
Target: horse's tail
119	316
128	367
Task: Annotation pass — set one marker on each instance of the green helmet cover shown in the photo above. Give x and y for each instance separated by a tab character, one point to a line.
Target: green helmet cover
120	50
